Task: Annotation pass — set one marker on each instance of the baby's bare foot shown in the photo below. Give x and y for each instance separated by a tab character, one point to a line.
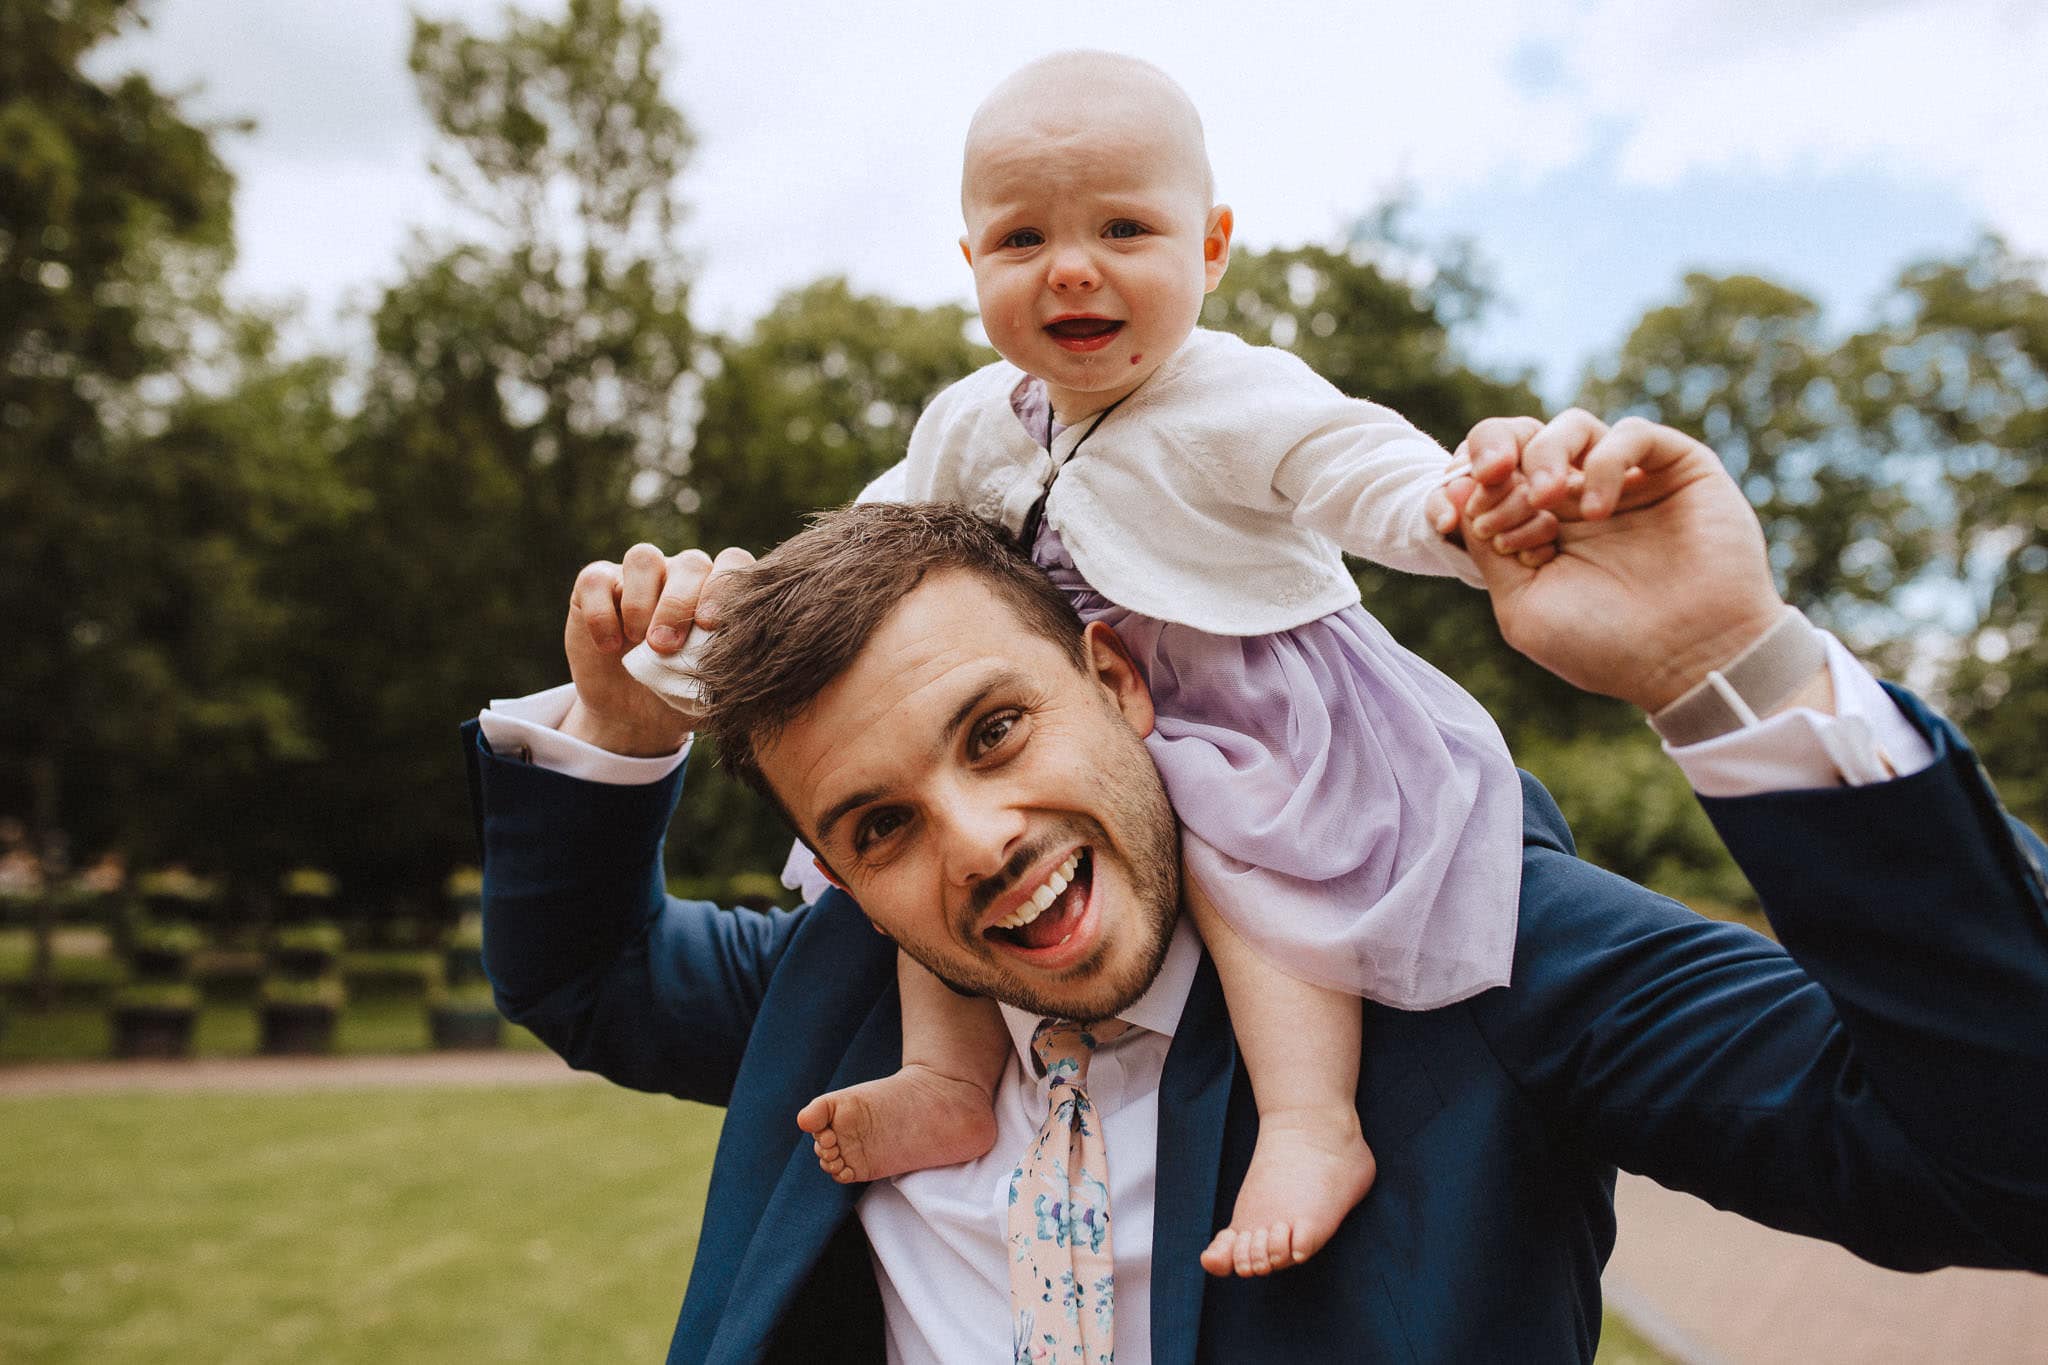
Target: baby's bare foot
915	1119
1310	1168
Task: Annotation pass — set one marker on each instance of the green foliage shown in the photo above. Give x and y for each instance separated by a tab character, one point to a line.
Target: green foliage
1906	464
114	232
166	938
798	415
309	882
468	933
325	991
814	401
1632	812
1957	377
470	997
157	995
1741	363
525	415
309	938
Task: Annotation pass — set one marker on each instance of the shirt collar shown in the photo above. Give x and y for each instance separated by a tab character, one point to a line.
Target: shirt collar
1157	1010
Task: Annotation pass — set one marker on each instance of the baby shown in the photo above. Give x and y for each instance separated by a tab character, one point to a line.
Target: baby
1352	820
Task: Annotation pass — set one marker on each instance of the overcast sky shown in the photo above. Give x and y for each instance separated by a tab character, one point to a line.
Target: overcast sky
1594	149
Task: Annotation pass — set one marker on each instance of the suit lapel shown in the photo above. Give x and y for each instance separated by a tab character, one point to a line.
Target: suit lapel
805	1209
1194	1100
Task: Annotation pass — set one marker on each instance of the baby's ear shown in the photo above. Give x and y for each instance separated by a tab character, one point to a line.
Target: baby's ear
966	251
1216	245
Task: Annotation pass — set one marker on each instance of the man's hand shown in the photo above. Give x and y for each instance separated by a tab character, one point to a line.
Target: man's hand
1660	573
612	608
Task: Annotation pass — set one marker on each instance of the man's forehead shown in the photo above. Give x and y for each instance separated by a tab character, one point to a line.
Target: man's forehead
949	640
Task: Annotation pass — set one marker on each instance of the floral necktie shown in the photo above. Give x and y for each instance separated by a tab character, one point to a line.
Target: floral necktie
1062	1295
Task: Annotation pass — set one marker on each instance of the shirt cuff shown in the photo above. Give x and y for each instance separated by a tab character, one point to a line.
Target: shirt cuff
528	729
1868	739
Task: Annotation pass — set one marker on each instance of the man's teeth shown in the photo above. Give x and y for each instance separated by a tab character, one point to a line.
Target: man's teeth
1040	900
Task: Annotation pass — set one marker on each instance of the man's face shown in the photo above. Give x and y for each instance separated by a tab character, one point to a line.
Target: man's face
960	770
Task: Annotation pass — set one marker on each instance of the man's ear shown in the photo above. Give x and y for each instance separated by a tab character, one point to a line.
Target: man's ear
1117	673
966	251
825	870
1216	246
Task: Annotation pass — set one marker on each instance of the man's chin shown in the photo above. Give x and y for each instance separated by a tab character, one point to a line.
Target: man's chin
1089	990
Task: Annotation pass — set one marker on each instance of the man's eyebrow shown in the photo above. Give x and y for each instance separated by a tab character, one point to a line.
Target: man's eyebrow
974	702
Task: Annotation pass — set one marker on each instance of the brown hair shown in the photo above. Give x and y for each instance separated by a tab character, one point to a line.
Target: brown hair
798	618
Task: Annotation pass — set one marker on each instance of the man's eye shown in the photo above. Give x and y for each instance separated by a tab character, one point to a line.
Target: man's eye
1124	227
1022	237
992	732
876	827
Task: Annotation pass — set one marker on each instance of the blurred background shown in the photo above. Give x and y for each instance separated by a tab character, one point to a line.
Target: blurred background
337	338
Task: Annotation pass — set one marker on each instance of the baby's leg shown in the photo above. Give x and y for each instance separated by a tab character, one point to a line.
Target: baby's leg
1300	1046
938	1110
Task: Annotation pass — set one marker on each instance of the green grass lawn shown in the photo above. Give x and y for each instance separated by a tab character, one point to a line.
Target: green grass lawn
377	1025
383	1227
543	1224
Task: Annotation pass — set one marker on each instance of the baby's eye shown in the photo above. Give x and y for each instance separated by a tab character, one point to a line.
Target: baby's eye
1023	237
1124	228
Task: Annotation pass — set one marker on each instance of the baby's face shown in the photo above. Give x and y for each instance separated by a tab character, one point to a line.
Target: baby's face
1092	245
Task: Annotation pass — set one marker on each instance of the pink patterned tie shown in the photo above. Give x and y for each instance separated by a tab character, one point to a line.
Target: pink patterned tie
1062	1296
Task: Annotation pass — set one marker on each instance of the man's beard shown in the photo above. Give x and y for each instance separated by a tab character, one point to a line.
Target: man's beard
1150	856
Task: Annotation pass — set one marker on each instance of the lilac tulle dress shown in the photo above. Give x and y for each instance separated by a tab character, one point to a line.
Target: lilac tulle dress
1352	812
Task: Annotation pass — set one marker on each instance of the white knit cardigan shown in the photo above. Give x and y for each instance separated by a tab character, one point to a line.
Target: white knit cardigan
1218	495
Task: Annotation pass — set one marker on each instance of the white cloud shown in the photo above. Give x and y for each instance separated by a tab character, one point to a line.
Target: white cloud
1940	91
829	135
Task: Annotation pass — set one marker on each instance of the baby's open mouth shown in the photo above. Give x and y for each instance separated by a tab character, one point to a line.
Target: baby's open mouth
1048	916
1080	329
1083	334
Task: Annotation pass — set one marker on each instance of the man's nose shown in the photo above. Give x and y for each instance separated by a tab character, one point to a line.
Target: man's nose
1072	269
980	837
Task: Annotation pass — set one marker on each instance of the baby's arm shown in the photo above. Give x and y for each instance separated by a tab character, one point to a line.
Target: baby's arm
1378	487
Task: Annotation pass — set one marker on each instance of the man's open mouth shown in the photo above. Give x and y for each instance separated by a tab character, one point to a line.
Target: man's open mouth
1048	916
1083	334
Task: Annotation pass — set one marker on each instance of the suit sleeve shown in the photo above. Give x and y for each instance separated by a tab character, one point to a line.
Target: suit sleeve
1881	1081
584	947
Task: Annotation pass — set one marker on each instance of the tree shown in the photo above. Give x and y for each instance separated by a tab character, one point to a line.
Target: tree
1740	362
817	398
114	232
525	412
1953	385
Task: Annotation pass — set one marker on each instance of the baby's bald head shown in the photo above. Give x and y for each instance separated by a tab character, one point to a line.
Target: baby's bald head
1072	99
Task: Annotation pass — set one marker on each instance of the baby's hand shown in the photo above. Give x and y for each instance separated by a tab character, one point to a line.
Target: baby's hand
1508	521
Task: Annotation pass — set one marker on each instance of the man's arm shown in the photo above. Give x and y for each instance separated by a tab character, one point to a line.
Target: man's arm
584	947
1888	1089
582	944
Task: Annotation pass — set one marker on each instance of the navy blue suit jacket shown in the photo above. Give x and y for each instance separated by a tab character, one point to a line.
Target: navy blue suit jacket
1883	1085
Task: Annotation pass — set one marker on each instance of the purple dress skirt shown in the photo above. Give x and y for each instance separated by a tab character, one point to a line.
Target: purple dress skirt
1352	812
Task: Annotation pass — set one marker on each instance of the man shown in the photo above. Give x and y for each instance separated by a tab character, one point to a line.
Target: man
943	737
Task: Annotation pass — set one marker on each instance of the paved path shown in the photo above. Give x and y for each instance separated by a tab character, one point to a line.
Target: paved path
248	1074
1708	1287
1715	1289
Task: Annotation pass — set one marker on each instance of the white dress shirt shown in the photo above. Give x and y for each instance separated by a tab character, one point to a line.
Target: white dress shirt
937	1236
